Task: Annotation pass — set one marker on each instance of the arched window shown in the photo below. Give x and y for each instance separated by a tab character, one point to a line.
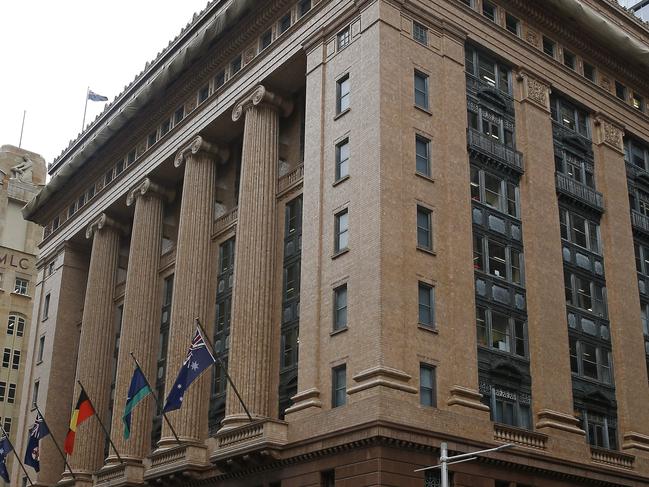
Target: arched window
16	324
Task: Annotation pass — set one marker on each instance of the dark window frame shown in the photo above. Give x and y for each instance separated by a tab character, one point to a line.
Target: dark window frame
338	385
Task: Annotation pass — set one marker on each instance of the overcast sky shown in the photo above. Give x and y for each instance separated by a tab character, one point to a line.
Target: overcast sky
51	51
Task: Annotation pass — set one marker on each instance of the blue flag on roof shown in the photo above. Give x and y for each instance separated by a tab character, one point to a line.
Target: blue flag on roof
96	97
5	449
37	431
198	360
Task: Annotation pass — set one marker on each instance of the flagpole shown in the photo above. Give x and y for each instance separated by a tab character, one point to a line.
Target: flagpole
83	124
22	128
157	400
55	442
16	455
101	422
225	369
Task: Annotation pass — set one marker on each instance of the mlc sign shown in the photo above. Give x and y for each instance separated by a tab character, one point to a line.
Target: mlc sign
13	260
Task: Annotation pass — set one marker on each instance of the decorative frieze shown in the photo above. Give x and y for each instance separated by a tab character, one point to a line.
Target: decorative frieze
608	133
535	91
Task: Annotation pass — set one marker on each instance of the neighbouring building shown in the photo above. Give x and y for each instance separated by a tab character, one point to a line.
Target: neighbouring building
22	175
401	223
638	7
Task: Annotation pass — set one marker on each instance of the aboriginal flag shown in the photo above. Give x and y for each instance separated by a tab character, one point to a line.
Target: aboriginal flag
83	411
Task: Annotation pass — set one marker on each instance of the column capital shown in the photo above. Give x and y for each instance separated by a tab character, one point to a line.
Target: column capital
199	144
608	132
148	187
103	220
535	90
261	95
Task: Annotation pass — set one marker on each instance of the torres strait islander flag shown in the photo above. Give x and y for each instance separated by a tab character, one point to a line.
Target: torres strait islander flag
138	390
83	411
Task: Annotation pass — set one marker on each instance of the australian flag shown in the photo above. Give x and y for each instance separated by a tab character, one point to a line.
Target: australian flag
37	431
5	449
198	360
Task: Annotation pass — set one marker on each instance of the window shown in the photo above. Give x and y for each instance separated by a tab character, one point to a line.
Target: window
130	158
35	394
509	406
424	233
15	363
219	79
7	425
569	115
338	386
235	65
549	47
328	478
82	199
303	7
6	357
576	168
16	324
494	191
426	305
264	41
501	331
179	114
487	69
107	178
152	138
589	72
340	307
601	429
165	127
342	159
585	294
41	349
642	259
589	360
512	24
203	93
343	38
637	101
422	155
579	230
427	385
21	286
498	259
91	192
341	231
285	23
56	222
421	90
419	33
3	391
342	94
620	90
11	396
569	59
489	10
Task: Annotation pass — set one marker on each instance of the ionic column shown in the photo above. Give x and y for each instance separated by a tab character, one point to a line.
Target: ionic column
252	347
141	318
96	344
194	284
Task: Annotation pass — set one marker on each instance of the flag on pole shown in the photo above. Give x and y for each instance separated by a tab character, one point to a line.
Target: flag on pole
83	411
137	391
5	449
198	360
36	432
92	96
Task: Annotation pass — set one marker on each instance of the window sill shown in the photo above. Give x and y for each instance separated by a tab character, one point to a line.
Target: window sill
426	251
44	319
39	362
338	332
339	181
22	295
425	110
423	176
341	114
428	329
339	253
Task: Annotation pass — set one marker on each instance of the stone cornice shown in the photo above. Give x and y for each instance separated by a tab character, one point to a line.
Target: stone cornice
260	95
149	188
199	144
101	222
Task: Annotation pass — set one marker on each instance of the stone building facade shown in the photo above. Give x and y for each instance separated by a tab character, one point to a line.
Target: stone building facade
400	223
22	175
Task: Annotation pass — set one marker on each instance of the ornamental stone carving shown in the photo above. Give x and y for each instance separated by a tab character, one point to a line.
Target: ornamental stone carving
535	91
102	221
532	37
146	186
199	144
610	134
261	95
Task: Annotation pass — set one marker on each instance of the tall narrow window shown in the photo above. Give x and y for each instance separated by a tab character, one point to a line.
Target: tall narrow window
340	308
11	394
35	394
303	7
426	305
46	306
235	65
338	386
512	24
6	357
342	94
549	46
342	159
3	391
589	72
343	38
427	385
285	23
420	33
422	155
489	10
203	93
421	90
41	349
15	363
569	59
620	90
637	101
265	40
341	231
424	234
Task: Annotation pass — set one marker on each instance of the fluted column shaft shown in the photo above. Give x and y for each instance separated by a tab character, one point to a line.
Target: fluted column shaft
141	319
193	293
96	343
252	347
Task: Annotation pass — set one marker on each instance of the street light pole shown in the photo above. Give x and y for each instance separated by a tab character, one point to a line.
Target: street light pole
445	460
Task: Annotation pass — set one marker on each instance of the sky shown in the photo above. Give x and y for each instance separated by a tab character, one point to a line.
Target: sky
51	51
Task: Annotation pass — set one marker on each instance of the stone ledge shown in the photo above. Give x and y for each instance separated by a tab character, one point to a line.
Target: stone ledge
265	434
519	436
634	440
548	418
121	474
189	460
611	458
469	398
382	376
